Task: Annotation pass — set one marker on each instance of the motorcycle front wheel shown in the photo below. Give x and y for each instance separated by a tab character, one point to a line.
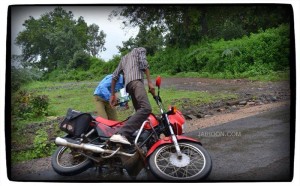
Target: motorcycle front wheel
67	162
195	163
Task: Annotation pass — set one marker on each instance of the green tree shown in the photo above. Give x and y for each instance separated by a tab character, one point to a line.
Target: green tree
80	60
183	26
96	40
51	41
179	24
151	39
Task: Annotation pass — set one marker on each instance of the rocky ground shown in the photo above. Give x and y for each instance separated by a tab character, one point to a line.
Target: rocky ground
253	97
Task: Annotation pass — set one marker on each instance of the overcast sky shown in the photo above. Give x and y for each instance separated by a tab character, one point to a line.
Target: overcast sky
91	14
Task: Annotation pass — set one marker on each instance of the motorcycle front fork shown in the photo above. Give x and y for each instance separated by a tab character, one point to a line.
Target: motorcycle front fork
174	139
173	136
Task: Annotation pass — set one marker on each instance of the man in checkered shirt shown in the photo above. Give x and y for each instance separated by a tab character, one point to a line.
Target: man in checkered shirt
133	66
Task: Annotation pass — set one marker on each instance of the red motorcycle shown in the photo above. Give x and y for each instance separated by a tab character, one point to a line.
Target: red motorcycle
158	146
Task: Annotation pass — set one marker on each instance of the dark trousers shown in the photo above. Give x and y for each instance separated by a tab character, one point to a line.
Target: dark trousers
140	101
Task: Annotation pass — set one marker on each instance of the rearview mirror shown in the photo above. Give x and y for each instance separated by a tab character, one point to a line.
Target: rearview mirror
158	81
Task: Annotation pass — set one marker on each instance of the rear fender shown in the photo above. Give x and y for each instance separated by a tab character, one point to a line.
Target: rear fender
168	140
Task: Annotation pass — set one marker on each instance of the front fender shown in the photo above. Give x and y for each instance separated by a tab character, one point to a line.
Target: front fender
167	140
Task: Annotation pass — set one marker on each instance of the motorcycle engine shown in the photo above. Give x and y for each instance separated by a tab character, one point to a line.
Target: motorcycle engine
144	135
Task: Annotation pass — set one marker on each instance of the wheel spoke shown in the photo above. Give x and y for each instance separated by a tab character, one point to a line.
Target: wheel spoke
193	157
68	158
176	170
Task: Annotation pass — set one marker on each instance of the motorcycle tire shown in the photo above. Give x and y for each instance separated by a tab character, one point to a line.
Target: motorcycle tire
67	163
195	164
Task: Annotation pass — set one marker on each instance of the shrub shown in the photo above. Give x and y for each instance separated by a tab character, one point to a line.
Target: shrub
258	54
21	76
42	147
81	60
28	105
21	105
40	105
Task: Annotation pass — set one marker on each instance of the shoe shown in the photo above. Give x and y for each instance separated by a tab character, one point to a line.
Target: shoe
117	138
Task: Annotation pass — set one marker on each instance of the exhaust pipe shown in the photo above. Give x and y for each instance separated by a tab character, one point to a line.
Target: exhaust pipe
86	146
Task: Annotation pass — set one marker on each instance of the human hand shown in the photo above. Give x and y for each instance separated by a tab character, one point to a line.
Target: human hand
151	89
113	101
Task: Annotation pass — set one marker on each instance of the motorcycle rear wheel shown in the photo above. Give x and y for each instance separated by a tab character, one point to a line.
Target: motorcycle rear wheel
195	163
67	162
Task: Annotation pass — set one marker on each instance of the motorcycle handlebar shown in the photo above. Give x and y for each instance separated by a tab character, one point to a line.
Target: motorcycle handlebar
157	98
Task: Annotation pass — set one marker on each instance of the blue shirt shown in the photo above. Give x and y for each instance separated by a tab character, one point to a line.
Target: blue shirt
104	87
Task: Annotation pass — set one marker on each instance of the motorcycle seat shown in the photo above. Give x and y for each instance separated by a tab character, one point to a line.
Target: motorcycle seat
107	122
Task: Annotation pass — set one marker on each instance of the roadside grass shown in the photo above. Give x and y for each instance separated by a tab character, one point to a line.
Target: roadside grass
79	96
270	76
